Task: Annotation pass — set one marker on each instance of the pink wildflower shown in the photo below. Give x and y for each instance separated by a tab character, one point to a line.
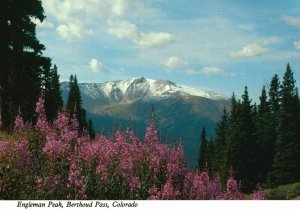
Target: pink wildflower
3	148
76	179
169	193
21	153
258	194
155	194
151	134
54	148
19	124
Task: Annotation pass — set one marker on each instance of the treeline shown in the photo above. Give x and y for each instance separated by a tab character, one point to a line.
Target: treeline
258	143
25	73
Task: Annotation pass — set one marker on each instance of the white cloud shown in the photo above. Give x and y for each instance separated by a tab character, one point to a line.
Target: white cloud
212	71
125	29
207	70
75	15
96	66
250	50
174	62
155	39
71	32
84	11
297	44
295	21
45	24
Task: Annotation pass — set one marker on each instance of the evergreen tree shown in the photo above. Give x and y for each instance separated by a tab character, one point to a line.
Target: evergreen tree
287	150
264	104
91	130
267	126
264	134
202	159
52	92
231	139
240	153
21	58
74	103
219	160
210	154
274	94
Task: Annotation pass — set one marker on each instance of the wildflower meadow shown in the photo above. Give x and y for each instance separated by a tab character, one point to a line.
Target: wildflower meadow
56	161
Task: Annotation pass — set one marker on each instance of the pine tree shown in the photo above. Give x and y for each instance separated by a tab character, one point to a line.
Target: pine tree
287	150
52	92
91	130
202	158
210	154
74	103
240	153
219	160
264	134
21	58
71	103
274	94
232	143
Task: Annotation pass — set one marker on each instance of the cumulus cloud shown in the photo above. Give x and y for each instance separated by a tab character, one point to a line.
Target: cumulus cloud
155	39
75	15
297	44
71	32
96	66
174	62
125	29
207	70
44	25
83	11
295	21
250	50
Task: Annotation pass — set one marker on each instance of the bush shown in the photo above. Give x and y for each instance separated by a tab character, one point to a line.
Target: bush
284	192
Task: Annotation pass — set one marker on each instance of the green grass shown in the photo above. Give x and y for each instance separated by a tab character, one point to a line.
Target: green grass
284	192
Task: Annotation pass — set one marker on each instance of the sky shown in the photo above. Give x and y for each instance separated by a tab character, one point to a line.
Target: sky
218	45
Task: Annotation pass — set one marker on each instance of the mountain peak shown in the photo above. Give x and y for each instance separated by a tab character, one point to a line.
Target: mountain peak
142	88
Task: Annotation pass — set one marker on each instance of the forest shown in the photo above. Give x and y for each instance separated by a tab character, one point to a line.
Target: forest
258	143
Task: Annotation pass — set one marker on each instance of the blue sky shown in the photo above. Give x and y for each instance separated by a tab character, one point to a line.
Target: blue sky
220	45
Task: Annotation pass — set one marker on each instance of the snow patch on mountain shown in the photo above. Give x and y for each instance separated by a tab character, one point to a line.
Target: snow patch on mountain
141	88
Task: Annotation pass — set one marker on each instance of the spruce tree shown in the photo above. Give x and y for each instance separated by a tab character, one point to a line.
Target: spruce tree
210	155
240	153
202	158
264	135
219	160
21	58
52	93
91	130
287	151
74	103
232	142
274	94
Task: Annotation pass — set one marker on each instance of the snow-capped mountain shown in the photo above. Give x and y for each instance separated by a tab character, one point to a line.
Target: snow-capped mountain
181	111
140	88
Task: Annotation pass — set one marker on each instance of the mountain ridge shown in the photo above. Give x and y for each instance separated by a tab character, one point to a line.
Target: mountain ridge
149	89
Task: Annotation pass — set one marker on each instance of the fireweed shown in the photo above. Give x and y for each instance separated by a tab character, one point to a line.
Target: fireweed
56	161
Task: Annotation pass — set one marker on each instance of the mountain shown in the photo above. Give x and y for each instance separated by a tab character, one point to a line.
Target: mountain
181	111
